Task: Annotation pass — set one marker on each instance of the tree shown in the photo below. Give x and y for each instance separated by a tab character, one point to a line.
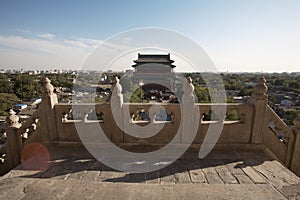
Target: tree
202	94
6	86
245	92
232	116
61	80
290	116
27	86
7	101
279	82
126	83
137	96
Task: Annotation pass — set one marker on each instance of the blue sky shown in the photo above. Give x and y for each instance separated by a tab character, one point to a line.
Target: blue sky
239	35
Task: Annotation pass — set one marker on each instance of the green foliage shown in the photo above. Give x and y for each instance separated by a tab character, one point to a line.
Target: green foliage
280	82
245	91
27	86
202	94
6	86
196	77
137	96
59	80
7	101
230	100
126	97
99	100
232	115
290	116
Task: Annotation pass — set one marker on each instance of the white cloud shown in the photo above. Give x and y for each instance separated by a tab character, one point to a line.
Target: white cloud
17	51
46	35
86	43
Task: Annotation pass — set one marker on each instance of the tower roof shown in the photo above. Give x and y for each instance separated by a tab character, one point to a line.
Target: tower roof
154	58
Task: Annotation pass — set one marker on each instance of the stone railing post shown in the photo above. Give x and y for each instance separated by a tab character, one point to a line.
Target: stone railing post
188	102
47	113
117	96
14	140
117	110
295	161
260	99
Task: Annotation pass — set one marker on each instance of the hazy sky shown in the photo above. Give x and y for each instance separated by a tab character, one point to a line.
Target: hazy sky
240	35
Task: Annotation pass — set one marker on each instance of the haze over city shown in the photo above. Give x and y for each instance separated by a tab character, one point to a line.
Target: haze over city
239	36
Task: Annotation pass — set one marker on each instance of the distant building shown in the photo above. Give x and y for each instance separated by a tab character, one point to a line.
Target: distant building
238	99
72	79
20	106
35	101
287	101
154	71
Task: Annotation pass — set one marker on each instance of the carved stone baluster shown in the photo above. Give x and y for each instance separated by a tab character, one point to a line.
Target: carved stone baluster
47	114
13	120
260	89
260	99
117	110
14	140
188	95
117	96
188	102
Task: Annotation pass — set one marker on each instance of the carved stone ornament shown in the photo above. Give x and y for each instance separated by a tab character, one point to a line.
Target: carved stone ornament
117	90
48	87
261	88
12	119
188	89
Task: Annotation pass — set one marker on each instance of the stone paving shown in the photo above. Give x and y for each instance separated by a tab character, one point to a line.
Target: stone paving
232	174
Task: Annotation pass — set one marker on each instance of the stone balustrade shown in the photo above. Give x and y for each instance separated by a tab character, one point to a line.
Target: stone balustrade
278	137
254	125
295	160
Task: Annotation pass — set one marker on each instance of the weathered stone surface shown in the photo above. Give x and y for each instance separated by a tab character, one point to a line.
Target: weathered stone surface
224	173
253	175
232	176
197	176
167	176
243	179
153	177
70	189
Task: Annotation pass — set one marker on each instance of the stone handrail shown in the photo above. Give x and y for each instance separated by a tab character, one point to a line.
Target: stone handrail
17	134
278	126
255	124
234	132
30	125
278	136
243	110
13	146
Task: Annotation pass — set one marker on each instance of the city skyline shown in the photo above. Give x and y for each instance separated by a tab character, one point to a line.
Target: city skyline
239	36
